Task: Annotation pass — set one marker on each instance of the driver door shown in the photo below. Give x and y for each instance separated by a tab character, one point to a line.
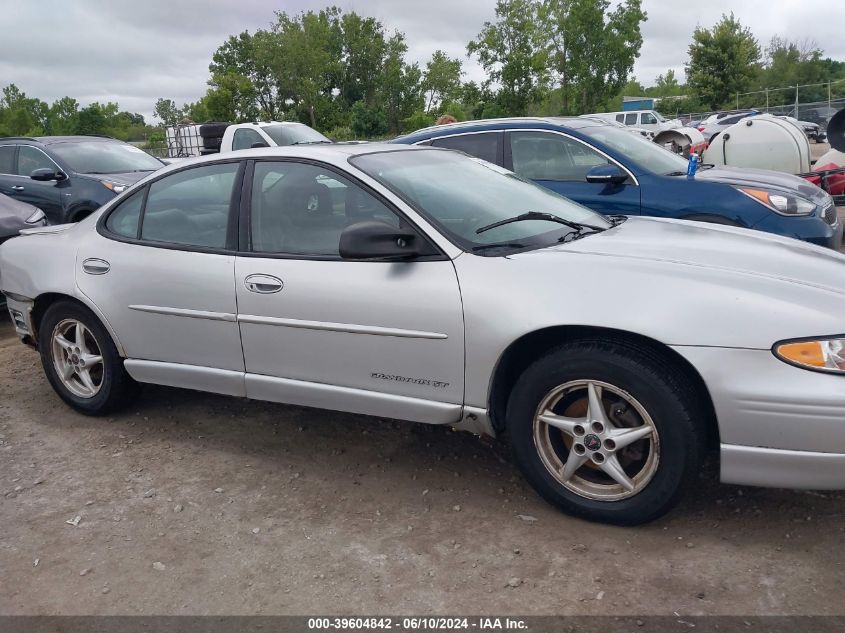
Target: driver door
374	337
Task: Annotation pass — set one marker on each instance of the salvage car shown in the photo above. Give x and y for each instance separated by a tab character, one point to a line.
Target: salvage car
425	285
68	177
614	172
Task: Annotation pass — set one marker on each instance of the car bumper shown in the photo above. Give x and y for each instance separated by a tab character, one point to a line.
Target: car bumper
812	229
20	311
779	425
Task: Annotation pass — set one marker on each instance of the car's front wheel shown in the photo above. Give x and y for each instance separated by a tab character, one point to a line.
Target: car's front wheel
606	431
81	361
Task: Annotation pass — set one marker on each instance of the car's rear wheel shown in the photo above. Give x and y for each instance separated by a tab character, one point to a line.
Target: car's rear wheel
606	431
81	361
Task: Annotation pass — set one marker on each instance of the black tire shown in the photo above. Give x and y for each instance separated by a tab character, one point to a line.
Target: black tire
213	129
673	404
116	389
212	142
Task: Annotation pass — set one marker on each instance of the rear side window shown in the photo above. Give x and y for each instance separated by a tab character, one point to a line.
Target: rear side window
620	118
191	207
631	119
124	219
7	159
484	146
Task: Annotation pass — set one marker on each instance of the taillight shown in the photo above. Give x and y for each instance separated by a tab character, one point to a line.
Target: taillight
700	128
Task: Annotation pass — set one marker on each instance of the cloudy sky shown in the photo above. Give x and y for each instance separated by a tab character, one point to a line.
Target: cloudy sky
134	52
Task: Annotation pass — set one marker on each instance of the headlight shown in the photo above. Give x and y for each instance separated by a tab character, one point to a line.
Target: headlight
823	354
36	218
117	187
779	201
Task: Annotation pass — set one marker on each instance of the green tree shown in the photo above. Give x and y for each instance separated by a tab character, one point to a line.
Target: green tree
667	85
591	49
442	78
64	116
400	85
723	61
167	112
245	59
512	52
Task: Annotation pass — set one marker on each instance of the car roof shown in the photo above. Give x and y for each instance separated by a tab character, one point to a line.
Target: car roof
572	123
50	140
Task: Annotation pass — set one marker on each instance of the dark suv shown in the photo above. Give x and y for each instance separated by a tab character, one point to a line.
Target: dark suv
68	177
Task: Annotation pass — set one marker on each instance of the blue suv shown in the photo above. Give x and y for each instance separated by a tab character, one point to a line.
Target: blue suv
613	171
68	177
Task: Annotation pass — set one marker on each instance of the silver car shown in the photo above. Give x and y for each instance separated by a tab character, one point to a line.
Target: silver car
421	284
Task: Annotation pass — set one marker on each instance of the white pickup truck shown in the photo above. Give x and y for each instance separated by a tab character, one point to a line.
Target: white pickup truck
188	140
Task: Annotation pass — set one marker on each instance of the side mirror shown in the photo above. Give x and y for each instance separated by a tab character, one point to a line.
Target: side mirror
379	240
46	175
258	144
607	174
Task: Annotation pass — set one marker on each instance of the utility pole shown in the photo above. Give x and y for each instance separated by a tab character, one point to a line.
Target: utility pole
767	99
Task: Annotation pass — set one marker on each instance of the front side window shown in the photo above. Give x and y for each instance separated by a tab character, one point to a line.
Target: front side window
300	209
244	138
484	146
460	195
126	216
545	156
649	119
636	148
30	159
191	207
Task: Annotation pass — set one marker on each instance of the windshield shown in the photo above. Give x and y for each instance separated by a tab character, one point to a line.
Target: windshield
658	116
461	194
104	157
645	153
291	134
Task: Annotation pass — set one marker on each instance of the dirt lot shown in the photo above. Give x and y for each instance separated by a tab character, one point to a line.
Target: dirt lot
198	504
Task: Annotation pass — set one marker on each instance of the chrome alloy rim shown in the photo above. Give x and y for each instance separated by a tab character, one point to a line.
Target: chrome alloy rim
77	358
597	440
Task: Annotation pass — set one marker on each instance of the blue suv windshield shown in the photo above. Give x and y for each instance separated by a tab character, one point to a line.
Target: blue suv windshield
645	153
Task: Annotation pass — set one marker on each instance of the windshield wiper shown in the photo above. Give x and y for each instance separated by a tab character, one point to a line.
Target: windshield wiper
536	215
485	247
310	142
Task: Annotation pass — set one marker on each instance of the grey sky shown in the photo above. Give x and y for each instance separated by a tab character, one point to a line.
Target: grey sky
133	52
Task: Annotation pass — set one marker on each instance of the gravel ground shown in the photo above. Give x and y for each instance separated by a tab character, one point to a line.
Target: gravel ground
189	503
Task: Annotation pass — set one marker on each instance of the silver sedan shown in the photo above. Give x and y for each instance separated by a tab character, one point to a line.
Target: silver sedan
425	285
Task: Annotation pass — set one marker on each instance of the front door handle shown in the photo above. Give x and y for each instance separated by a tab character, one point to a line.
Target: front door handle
263	284
18	187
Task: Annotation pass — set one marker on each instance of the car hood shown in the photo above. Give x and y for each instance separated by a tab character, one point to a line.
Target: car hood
13	215
124	178
722	249
746	177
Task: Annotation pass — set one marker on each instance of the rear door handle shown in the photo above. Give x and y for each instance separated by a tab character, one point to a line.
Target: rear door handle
18	187
263	284
96	266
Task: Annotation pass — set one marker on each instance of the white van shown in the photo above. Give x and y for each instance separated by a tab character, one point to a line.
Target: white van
646	119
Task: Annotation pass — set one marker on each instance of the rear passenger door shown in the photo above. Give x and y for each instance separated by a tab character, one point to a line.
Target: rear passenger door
161	267
560	163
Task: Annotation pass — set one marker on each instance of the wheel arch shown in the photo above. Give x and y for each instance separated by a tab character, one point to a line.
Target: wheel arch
43	302
531	346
